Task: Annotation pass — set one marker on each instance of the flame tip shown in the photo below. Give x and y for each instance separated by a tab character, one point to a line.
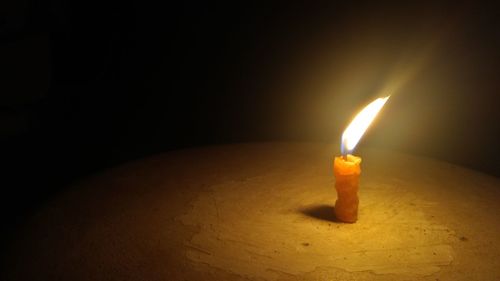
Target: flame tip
360	123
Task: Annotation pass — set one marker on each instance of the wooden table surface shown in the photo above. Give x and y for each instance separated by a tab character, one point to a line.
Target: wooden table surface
263	211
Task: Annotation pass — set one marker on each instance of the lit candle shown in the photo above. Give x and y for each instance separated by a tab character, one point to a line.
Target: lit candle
347	168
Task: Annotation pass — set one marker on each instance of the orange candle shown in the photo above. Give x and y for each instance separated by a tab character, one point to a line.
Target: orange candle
347	168
347	171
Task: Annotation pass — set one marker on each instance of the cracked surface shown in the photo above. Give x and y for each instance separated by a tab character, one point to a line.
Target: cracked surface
261	225
264	212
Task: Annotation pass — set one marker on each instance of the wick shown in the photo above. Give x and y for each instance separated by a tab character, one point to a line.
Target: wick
344	157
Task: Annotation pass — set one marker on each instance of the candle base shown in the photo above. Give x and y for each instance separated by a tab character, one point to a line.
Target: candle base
346	211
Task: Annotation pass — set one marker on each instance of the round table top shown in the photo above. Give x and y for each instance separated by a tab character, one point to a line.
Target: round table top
264	211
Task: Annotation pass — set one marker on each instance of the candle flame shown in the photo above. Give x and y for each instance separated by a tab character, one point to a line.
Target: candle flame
359	124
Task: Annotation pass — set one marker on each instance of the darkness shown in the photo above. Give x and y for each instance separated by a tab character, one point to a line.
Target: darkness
88	86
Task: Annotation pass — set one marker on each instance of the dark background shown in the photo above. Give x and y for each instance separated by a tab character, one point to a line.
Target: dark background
87	86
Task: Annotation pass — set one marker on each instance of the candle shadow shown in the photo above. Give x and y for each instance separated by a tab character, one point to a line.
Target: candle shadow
321	212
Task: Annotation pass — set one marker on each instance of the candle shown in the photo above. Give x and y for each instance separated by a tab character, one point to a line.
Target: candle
347	171
347	168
